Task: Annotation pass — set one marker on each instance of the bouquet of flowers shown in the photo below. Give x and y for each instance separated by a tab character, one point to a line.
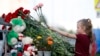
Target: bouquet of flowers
43	38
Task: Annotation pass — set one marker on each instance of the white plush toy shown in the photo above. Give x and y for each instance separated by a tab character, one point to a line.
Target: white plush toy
28	48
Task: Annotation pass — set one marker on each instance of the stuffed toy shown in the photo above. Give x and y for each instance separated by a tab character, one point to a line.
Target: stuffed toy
14	36
28	48
19	48
19	45
18	26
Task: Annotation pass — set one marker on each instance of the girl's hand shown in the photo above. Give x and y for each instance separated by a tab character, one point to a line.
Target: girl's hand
63	33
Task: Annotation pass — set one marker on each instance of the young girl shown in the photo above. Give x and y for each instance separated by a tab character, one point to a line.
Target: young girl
83	37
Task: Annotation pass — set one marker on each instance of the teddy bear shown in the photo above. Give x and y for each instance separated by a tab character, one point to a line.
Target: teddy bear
18	26
29	49
14	36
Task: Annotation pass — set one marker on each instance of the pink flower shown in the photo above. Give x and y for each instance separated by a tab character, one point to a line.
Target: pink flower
35	8
40	5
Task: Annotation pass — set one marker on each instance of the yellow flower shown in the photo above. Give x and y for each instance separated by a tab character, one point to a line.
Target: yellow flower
39	37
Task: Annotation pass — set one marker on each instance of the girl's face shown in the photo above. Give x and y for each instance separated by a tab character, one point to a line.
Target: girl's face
80	28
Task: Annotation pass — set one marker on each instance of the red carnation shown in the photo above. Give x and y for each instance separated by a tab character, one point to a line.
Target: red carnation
17	11
8	17
26	11
3	16
21	8
14	15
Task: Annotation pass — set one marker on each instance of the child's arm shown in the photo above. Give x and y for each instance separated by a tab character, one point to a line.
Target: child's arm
64	33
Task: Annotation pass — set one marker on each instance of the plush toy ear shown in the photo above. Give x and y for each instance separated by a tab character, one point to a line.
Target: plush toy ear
12	37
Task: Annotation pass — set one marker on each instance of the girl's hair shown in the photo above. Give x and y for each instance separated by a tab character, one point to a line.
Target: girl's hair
88	26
